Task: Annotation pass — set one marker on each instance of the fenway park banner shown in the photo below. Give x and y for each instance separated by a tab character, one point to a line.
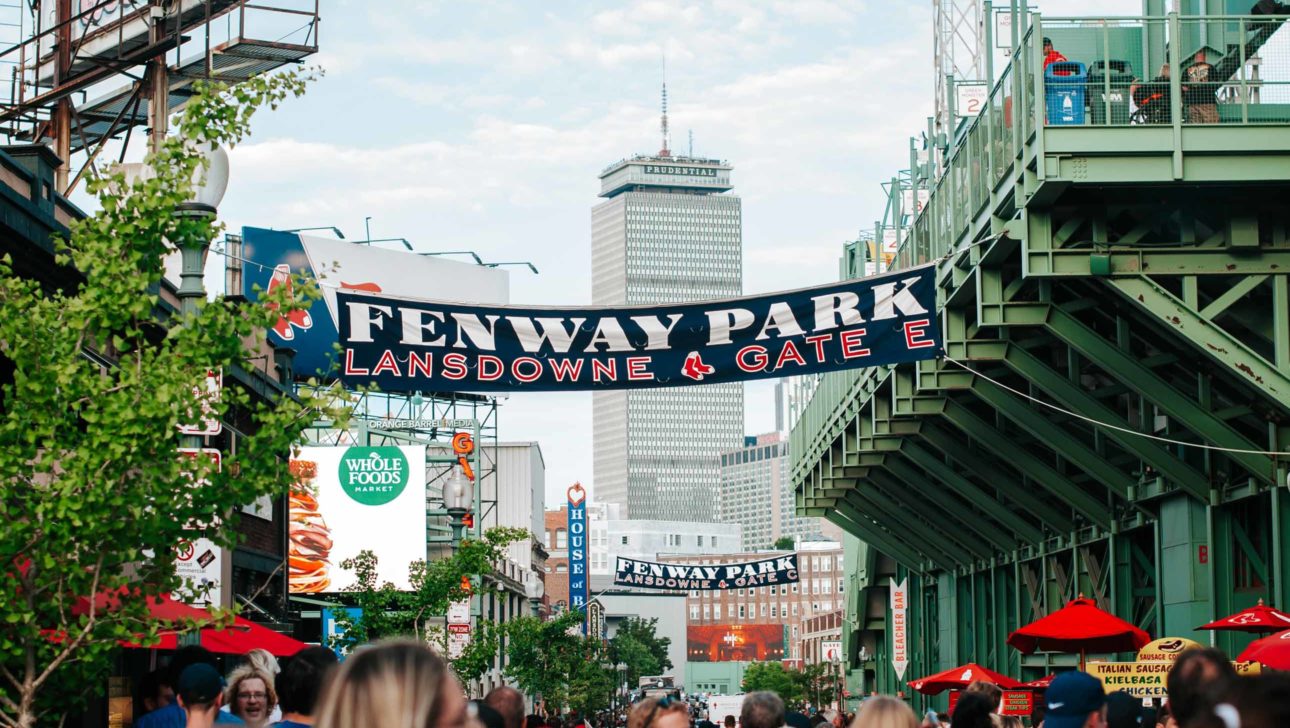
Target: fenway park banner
402	344
654	575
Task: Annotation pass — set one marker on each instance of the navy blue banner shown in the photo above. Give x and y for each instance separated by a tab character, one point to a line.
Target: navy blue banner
576	536
718	577
408	345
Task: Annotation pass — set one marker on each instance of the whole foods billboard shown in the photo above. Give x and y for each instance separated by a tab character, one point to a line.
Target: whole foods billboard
735	642
345	500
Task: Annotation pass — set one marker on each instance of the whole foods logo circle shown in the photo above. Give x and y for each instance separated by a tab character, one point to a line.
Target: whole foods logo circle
373	476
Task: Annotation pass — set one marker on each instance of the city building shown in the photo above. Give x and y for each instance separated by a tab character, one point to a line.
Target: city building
818	629
666	233
757	493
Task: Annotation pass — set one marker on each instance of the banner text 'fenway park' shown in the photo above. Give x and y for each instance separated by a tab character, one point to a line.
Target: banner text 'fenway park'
405	345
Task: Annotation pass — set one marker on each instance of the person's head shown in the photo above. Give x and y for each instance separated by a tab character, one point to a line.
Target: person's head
796	719
487	715
399	683
300	683
1256	701
664	712
1048	44
1075	700
1196	679
885	712
1164	70
155	691
534	721
185	656
988	689
1199	57
762	709
973	710
510	703
199	689
729	721
1123	710
250	694
264	661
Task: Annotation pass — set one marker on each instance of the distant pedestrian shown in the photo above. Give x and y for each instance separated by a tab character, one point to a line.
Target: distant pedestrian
200	692
1201	92
973	710
1123	711
1195	683
155	691
762	709
729	721
885	711
300	684
173	715
394	684
1075	699
510	703
994	693
1051	56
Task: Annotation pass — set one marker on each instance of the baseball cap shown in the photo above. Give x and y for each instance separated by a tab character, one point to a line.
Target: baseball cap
1070	698
1123	710
199	684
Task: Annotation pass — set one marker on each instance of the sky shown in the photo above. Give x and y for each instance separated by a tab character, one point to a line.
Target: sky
483	126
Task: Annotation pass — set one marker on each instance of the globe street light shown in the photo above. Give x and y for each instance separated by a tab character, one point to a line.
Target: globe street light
457	499
534	591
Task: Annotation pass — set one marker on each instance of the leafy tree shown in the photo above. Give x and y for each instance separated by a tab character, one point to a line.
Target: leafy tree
785	543
388	612
591	685
819	684
543	655
637	645
94	497
776	678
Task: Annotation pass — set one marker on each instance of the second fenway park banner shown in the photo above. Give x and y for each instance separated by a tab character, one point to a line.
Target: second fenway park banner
402	344
655	575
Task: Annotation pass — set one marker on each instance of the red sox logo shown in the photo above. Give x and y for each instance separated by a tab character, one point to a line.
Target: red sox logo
1245	619
281	278
695	369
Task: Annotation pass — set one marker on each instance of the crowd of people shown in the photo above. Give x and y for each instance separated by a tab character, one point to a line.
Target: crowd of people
405	684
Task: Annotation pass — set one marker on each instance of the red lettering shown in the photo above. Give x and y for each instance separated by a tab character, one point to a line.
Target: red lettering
387	363
789	352
607	369
535	369
819	340
489	368
454	365
423	363
759	358
350	369
916	335
851	348
571	368
636	370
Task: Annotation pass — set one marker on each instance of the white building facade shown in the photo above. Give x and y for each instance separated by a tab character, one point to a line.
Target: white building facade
610	536
757	493
666	233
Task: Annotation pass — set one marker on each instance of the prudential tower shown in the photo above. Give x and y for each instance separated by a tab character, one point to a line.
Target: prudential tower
668	231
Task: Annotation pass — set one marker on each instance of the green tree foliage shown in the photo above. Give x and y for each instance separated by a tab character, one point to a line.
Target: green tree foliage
388	612
637	645
544	654
773	676
95	497
785	543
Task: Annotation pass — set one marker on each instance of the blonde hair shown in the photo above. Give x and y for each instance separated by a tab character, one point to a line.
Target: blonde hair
393	684
648	710
264	661
884	711
247	672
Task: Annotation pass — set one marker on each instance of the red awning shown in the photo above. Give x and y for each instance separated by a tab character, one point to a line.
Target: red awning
163	607
1255	619
1079	627
961	677
1040	684
1273	652
245	635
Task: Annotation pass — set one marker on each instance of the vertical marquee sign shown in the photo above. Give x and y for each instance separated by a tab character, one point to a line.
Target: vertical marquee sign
899	627
577	526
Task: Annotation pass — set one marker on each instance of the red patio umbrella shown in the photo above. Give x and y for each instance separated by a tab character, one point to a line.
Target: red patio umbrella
245	635
1255	619
1079	627
1040	684
1273	652
163	607
961	677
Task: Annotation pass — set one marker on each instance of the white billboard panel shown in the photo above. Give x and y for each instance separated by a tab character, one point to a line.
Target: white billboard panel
349	499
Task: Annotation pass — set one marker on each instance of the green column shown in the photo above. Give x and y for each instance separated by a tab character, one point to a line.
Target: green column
1185	590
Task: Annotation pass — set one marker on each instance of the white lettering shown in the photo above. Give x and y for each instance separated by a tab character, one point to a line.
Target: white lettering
553	332
610	333
414	323
361	319
722	322
658	333
834	310
780	316
886	299
469	326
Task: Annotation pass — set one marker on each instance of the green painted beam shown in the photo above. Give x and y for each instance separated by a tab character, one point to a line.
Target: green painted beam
1208	338
958	524
988	470
947	555
916	520
1059	485
934	467
1076	399
860	526
1129	262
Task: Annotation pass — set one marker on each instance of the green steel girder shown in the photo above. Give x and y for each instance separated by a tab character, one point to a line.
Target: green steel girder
897	491
1127	262
1126	368
988	471
1070	395
936	468
932	542
1042	473
855	523
1206	337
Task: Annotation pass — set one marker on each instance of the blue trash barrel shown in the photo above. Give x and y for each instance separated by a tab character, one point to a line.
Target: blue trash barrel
1064	84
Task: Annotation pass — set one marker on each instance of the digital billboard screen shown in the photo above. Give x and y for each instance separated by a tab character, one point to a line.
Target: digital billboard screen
735	642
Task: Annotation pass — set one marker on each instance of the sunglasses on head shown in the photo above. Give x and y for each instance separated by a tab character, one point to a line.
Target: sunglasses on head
663	702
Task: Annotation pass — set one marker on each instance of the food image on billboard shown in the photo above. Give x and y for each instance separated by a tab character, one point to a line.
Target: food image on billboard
344	500
735	642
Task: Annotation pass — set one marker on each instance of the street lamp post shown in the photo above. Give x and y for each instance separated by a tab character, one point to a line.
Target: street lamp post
457	498
534	590
621	688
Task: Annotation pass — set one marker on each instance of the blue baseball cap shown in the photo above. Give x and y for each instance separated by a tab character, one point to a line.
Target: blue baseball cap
1070	698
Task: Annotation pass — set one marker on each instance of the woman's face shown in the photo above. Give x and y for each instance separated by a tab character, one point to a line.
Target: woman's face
251	703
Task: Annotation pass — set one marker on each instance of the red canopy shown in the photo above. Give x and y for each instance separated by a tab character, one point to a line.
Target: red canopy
1040	684
1255	619
246	635
163	607
1273	652
961	677
1079	627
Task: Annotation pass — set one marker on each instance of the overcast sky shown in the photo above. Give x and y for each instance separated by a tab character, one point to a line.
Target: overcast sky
483	126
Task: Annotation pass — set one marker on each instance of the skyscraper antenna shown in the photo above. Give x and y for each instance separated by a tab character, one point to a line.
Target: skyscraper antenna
665	152
691	143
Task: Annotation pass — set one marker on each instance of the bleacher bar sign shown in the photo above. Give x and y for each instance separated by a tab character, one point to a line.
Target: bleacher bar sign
404	345
654	575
